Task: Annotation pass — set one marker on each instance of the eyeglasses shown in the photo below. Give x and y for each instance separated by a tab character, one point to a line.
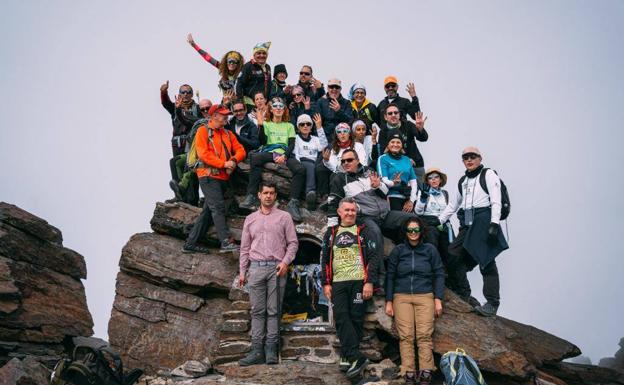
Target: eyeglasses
237	111
204	109
305	124
334	87
413	230
297	95
346	160
187	92
233	61
433	176
342	131
469	156
392	112
278	105
304	73
390	85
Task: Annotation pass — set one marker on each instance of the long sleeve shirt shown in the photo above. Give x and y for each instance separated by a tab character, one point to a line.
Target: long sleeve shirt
473	196
434	206
333	164
268	237
311	148
389	165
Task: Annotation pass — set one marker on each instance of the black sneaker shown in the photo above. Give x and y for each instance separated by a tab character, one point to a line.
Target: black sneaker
487	310
176	189
344	364
228	246
195	249
311	200
357	367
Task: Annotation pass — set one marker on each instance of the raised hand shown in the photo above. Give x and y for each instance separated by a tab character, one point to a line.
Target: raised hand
316	83
318	121
164	87
396	179
334	105
228	95
326	154
411	89
260	116
375	180
178	100
408	206
420	120
189	39
306	102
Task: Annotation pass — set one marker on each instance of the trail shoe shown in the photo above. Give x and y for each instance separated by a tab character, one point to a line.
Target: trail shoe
311	200
293	209
487	310
228	246
188	248
270	352
254	357
472	301
250	202
344	364
357	367
425	377
410	378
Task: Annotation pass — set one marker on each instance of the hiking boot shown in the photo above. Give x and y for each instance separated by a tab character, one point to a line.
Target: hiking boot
357	367
254	357
293	209
472	301
174	200
344	364
425	377
187	248
410	378
228	246
176	189
270	353
323	203
311	200
250	202
487	310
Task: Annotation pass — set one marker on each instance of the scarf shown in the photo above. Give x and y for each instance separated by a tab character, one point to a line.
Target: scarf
187	104
309	138
280	83
475	172
434	191
345	145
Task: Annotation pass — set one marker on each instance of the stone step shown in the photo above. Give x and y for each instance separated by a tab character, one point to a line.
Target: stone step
235	326
229	348
236	315
241	305
309	327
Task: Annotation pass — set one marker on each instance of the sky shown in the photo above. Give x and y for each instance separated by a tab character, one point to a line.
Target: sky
536	85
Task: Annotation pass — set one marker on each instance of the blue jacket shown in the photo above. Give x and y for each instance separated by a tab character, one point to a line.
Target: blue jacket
414	270
388	165
331	118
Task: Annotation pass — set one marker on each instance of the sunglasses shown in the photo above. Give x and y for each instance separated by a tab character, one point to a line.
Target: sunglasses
433	176
305	124
390	85
304	73
296	95
334	87
413	230
278	105
342	131
233	62
346	160
187	92
205	109
392	112
470	156
237	111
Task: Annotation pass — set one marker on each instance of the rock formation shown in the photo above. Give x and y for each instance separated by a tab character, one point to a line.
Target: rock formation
42	299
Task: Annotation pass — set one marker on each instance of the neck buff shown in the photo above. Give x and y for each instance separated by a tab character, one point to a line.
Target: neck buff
346	144
309	138
475	172
186	104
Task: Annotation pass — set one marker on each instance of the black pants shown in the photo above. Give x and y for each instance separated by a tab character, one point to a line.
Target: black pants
396	203
349	309
212	213
460	262
440	239
260	158
323	177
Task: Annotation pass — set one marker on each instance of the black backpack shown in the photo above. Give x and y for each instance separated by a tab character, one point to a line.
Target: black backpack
505	202
93	362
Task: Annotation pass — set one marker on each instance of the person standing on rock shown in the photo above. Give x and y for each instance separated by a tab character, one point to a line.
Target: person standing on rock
414	292
220	152
480	239
348	273
268	245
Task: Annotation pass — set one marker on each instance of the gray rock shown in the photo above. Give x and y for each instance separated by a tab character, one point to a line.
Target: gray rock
28	371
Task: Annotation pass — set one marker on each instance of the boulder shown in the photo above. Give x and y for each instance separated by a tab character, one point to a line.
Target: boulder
42	298
28	371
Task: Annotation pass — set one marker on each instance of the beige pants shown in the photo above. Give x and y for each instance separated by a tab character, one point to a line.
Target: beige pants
415	311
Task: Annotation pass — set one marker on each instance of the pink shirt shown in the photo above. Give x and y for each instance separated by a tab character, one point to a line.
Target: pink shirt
268	237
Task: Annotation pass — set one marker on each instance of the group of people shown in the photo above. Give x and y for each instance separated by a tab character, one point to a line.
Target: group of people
361	162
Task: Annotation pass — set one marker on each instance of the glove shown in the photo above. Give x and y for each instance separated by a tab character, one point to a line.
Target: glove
493	233
424	193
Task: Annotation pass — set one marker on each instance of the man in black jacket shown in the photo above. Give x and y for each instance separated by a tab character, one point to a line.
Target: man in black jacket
245	130
255	76
334	108
407	107
348	273
408	131
312	88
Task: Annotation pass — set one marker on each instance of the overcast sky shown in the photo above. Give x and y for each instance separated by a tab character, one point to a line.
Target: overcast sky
536	85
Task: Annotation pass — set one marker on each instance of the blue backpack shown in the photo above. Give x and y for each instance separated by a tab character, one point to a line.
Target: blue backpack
460	369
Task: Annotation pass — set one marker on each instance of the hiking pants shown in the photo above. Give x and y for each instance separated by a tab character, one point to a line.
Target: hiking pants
439	239
212	213
389	226
460	262
255	176
349	309
310	170
415	311
323	177
266	304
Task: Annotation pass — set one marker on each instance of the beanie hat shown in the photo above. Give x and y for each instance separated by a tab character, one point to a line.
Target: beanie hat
304	118
280	68
357	123
356	86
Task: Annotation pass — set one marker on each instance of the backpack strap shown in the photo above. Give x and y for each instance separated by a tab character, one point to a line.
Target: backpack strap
482	180
446	196
459	184
473	369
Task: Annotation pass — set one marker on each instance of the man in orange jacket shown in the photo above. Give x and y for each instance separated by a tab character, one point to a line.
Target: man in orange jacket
220	152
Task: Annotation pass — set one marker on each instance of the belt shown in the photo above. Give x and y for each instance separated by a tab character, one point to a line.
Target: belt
264	263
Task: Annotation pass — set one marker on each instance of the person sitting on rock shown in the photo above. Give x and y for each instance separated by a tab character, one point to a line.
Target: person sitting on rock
260	105
406	106
245	130
334	109
278	139
307	149
414	293
219	152
480	239
348	273
268	245
229	66
369	141
396	172
363	109
300	104
255	75
279	88
410	132
312	88
431	202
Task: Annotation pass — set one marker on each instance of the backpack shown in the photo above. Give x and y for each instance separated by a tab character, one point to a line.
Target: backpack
93	362
505	202
192	159
460	369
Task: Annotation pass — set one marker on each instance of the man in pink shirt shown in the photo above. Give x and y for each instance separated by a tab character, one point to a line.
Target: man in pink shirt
268	245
